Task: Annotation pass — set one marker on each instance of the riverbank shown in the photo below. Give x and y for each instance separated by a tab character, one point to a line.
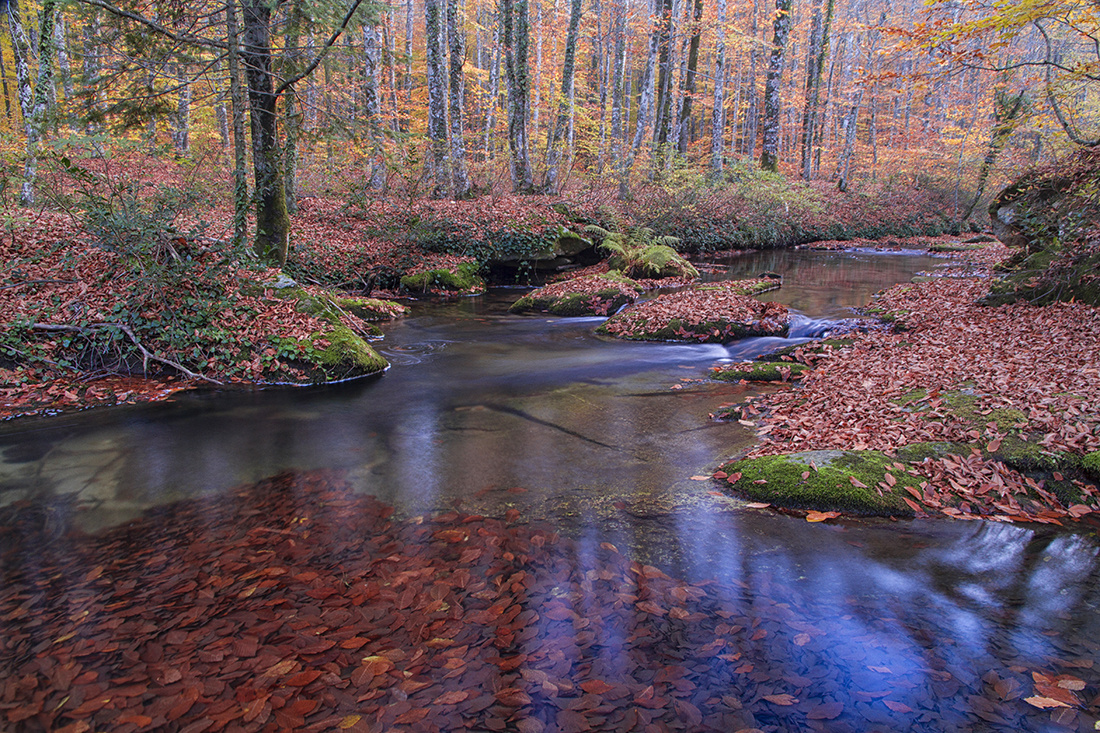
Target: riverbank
958	409
134	294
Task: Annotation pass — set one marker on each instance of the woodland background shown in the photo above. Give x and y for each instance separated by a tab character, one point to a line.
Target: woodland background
457	98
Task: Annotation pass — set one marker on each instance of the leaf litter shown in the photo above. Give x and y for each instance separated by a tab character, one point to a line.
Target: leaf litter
297	603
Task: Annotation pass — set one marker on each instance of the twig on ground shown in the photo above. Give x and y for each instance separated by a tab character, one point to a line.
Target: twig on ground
146	354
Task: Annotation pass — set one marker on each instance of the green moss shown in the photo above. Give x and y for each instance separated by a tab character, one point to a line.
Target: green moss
606	300
463	280
811	347
372	309
714	332
828	483
954	247
764	371
333	355
1090	464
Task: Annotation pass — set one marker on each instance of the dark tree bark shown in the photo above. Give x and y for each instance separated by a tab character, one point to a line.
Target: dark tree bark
664	80
237	105
773	102
272	241
815	66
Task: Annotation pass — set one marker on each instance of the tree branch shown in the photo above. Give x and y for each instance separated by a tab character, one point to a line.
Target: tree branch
152	24
146	354
323	52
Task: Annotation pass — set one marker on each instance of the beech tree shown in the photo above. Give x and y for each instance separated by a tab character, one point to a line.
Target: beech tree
769	155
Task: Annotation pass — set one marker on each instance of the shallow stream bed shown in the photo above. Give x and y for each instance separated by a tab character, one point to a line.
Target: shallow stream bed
851	625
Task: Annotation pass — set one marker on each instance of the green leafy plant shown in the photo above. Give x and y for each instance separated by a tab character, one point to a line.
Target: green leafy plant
638	253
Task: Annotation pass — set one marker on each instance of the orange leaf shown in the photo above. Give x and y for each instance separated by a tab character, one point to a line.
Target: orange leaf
781	699
1044	702
897	707
596	687
303	678
451	698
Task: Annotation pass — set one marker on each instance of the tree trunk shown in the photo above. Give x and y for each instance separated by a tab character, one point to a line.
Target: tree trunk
272	241
237	107
34	107
437	98
752	109
617	81
664	81
292	116
456	36
90	71
554	144
516	41
645	105
64	68
718	110
181	119
769	154
815	67
1007	109
494	92
689	77
372	103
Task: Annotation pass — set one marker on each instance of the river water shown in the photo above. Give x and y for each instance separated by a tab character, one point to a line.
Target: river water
484	412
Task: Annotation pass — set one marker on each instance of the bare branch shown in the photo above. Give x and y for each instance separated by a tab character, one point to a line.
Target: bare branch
154	25
323	52
146	354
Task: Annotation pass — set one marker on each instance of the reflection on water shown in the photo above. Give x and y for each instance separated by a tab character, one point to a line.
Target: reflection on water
915	625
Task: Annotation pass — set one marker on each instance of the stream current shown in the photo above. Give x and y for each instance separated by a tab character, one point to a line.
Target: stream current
486	411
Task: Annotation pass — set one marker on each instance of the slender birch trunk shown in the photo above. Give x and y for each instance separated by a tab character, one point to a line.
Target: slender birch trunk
718	110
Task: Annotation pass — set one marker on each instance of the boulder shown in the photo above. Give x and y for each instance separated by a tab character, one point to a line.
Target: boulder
713	312
591	295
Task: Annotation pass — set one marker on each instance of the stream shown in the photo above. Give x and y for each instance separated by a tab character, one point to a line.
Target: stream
898	625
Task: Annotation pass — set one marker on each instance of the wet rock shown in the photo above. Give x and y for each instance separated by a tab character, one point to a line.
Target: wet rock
713	313
591	295
825	480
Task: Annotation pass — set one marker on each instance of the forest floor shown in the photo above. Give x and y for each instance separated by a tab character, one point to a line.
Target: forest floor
992	410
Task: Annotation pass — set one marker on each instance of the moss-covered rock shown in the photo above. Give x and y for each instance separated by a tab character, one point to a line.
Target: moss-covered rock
334	354
713	313
463	279
826	480
1090	464
759	371
371	309
591	295
811	347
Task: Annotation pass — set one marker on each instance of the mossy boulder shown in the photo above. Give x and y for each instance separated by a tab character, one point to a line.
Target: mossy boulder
371	309
712	313
591	295
333	354
1050	216
1090	464
463	280
336	354
759	371
826	480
